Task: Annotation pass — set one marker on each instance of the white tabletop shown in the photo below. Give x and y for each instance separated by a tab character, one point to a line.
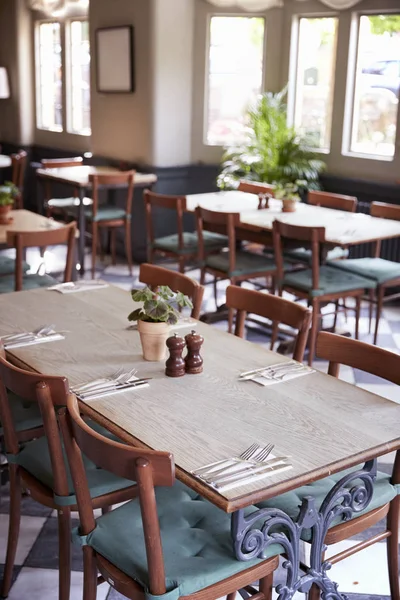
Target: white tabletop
5	161
79	175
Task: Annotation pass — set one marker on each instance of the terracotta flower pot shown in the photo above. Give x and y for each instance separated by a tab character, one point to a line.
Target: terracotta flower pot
153	337
5	214
289	205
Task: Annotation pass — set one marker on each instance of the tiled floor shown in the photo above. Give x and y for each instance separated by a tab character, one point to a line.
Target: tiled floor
362	577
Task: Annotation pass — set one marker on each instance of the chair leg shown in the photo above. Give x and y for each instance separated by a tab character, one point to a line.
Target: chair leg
337	305
358	310
216	292
202	276
182	262
94	247
314	593
266	586
64	544
370	312
13	528
379	305
274	333
393	524
128	246
314	330
231	596
89	574
113	245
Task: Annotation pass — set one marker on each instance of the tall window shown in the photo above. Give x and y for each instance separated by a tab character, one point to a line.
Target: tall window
49	77
377	86
315	77
235	74
78	89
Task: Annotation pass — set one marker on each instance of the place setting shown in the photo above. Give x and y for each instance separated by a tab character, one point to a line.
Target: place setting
41	335
72	287
277	373
120	381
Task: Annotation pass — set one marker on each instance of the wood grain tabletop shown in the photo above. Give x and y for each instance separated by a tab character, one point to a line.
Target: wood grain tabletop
25	220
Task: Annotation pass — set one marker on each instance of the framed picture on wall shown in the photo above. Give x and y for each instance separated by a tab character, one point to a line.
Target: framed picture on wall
115	59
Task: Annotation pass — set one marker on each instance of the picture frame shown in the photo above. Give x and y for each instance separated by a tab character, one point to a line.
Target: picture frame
115	60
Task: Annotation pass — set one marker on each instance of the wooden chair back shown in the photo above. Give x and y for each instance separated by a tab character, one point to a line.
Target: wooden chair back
271	307
315	236
384	210
148	468
335	201
228	222
154	276
42	239
48	392
120	178
175	203
263	190
57	163
18	168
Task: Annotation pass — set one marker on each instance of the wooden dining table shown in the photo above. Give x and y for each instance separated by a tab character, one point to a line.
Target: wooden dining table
323	424
78	178
25	220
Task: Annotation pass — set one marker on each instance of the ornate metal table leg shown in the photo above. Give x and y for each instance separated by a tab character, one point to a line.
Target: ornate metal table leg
254	533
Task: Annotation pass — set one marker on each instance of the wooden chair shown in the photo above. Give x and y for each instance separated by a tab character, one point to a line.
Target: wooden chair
18	168
235	265
274	308
264	191
135	552
183	245
320	284
39	467
385	273
154	276
21	240
111	217
64	207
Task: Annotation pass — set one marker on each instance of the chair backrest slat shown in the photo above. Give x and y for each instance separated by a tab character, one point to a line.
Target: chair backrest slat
121	178
165	201
271	307
57	163
330	200
154	276
263	190
384	210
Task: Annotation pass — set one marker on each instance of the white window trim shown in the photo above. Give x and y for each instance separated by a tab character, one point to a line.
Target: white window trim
68	77
38	86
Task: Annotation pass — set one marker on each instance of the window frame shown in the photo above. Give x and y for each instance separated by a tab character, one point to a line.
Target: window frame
206	99
68	76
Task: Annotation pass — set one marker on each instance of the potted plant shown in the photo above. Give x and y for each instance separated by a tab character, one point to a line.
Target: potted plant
8	193
289	194
154	318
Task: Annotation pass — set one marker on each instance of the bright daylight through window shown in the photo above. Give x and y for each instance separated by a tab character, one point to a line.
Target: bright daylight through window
79	85
377	86
49	77
235	74
315	77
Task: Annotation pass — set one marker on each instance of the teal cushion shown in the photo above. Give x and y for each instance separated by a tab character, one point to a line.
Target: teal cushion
29	282
64	203
170	243
246	263
376	268
304	255
196	541
7	266
26	415
290	502
331	281
106	212
35	458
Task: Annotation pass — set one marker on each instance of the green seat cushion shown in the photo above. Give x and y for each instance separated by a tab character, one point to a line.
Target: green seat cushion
26	415
34	457
196	540
379	269
246	263
64	203
170	243
106	212
331	281
290	502
7	266
304	255
29	282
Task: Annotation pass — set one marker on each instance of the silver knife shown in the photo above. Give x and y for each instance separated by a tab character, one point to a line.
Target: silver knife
245	469
110	390
248	475
269	367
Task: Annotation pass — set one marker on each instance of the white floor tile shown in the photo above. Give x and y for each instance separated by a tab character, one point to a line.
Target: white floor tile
392	313
396	337
391	392
30	529
117	270
42	584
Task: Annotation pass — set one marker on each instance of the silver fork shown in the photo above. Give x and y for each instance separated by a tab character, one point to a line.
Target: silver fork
275	373
103	380
247	454
242	464
43	330
121	380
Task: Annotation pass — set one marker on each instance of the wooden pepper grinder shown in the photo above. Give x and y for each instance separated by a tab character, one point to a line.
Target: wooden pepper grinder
175	365
193	360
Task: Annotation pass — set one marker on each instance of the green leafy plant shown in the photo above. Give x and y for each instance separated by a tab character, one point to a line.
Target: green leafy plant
289	191
158	306
8	193
273	152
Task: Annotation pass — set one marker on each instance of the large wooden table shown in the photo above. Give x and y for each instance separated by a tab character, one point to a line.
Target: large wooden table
78	177
324	424
341	228
25	220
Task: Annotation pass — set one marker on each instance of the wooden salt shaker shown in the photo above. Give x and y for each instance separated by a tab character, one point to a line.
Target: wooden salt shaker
175	365
193	360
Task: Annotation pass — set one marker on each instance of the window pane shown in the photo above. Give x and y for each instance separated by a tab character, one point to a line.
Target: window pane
49	75
235	76
315	79
377	86
79	88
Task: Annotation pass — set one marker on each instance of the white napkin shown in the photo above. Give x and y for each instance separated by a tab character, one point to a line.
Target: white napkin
111	391
52	337
288	377
79	286
252	478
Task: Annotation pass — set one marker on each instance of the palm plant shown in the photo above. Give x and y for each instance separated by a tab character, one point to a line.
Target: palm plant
273	152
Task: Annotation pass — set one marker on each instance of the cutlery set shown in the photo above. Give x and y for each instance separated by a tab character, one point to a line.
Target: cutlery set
81	286
276	373
250	466
117	382
45	333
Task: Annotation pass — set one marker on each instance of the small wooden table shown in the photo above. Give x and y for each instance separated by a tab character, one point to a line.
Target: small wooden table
5	161
78	177
324	424
25	220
